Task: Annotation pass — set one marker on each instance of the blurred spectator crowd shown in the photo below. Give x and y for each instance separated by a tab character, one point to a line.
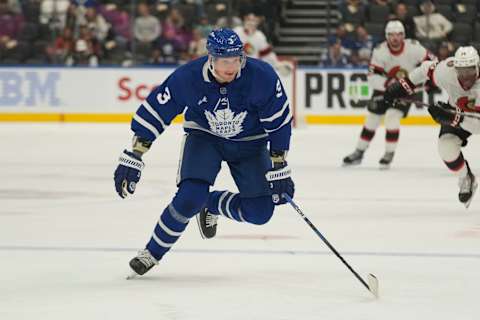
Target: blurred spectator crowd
115	32
133	32
441	26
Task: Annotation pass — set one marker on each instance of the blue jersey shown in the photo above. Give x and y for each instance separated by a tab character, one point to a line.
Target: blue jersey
252	107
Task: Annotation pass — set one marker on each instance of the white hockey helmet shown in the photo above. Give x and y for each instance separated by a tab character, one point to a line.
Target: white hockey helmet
466	62
466	57
394	26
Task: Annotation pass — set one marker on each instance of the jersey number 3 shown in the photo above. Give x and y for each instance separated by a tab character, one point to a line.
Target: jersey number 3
163	98
279	89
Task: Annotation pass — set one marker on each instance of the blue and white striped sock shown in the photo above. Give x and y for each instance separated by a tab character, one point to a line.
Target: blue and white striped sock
169	228
227	204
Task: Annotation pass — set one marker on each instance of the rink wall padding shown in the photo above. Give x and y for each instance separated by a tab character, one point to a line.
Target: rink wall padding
72	117
104	94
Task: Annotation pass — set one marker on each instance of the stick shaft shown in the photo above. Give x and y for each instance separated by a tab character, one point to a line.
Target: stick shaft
299	211
426	105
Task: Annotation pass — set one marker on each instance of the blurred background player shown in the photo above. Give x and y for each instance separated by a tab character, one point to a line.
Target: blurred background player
391	60
458	76
238	105
256	44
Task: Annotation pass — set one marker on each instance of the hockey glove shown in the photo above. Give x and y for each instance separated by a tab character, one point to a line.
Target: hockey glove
128	173
430	87
279	179
445	114
402	88
377	103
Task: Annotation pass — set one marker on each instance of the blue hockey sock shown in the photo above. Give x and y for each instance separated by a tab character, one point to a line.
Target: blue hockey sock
225	203
189	200
167	231
257	210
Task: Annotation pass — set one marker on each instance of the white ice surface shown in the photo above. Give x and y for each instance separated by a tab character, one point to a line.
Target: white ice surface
66	237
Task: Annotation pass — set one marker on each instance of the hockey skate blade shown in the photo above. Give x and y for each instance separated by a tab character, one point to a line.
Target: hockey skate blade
131	276
467	204
373	285
351	164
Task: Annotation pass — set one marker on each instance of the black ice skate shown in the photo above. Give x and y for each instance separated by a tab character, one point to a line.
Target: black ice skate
143	262
207	223
354	158
386	160
468	185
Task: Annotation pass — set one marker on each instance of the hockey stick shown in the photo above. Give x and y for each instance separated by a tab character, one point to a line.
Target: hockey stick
426	105
372	285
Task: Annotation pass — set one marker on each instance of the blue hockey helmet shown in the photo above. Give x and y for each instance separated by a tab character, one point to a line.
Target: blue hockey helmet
224	42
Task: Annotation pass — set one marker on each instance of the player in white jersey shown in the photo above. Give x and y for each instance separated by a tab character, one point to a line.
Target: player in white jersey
459	77
256	44
391	60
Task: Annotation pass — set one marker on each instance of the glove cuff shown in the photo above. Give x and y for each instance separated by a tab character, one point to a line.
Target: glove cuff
407	85
278	174
128	159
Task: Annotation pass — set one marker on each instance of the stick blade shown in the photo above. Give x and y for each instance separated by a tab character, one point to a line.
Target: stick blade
373	285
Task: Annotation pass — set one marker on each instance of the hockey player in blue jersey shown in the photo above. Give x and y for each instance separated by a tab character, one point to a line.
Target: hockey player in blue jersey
236	111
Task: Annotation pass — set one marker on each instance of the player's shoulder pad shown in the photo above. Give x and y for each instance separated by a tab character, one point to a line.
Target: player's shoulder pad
381	45
262	77
445	72
191	66
412	42
261	70
448	62
186	73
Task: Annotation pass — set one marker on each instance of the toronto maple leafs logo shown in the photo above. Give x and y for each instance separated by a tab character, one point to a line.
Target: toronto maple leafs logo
224	122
